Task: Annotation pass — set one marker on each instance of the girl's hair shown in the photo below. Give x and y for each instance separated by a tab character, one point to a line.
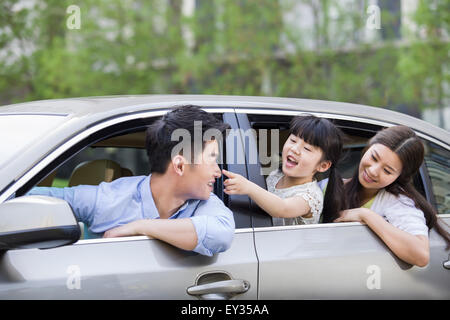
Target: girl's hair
322	133
404	142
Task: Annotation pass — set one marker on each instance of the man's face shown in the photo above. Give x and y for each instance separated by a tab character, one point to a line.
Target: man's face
201	176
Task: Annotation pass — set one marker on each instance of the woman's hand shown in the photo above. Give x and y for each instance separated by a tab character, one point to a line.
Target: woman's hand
413	249
236	184
352	215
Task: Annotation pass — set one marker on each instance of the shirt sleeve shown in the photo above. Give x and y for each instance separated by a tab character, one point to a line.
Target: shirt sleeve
402	213
82	199
214	224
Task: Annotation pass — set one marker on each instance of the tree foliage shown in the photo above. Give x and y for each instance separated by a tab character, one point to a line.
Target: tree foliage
307	48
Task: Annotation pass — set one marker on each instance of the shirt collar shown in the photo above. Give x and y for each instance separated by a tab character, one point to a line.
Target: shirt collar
148	203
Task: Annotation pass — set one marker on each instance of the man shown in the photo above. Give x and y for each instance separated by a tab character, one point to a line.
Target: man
175	202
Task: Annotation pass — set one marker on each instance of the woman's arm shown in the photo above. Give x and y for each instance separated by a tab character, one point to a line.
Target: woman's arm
275	206
413	249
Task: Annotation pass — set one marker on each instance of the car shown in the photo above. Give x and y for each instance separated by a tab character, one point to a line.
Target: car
46	254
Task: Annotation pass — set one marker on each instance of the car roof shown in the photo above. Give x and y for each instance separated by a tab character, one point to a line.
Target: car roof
104	106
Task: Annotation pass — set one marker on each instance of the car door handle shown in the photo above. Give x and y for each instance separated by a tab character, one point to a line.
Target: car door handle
220	287
447	264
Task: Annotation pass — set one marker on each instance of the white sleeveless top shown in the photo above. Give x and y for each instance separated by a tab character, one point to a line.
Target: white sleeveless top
310	191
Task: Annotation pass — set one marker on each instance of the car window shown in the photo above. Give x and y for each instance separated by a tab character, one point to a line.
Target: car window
437	161
120	149
125	151
270	148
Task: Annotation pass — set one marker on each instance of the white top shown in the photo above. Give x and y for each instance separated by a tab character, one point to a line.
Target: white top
309	191
399	211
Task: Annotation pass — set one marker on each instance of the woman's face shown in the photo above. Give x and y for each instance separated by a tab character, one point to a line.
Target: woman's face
379	167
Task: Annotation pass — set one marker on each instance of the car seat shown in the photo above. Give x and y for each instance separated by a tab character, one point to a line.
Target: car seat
96	171
93	173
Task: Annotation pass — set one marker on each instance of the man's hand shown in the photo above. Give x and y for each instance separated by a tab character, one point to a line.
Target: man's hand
180	233
236	184
129	229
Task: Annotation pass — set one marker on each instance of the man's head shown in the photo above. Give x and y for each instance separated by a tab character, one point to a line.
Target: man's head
185	141
183	126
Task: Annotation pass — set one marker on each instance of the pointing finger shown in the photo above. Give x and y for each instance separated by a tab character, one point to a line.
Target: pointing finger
228	173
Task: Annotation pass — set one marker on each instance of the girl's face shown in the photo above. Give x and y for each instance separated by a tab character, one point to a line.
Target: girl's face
300	159
379	167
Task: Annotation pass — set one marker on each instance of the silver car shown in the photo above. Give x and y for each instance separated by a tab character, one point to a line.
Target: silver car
46	254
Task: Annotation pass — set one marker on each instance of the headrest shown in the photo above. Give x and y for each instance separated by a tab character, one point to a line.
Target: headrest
94	172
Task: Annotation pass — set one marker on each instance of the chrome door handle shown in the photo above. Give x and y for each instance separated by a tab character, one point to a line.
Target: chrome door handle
219	289
447	264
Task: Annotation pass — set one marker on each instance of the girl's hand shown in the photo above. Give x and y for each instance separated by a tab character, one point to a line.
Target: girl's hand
236	184
352	215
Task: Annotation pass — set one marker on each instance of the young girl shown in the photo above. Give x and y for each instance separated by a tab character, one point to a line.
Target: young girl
381	194
314	146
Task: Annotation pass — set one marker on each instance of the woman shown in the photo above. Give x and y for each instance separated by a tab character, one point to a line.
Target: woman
381	194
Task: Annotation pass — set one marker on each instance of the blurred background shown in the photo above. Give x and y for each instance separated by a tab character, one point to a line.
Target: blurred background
387	53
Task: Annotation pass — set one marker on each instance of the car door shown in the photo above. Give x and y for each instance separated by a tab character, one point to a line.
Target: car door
335	260
135	267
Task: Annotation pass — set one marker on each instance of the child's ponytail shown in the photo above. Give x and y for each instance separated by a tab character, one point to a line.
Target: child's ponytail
334	200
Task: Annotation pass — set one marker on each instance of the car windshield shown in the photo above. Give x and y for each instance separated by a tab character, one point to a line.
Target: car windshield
19	131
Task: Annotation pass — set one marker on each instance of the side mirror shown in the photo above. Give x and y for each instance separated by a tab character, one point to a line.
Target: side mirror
37	222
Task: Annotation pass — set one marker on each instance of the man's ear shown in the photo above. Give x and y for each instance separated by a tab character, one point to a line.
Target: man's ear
324	166
178	164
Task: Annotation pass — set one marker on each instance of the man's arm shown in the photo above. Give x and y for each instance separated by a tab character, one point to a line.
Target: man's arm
177	232
82	199
210	230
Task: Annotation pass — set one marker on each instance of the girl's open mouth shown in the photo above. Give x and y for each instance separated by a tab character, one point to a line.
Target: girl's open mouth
291	162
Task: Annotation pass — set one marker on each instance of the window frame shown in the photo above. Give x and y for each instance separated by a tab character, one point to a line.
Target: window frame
121	124
260	219
431	197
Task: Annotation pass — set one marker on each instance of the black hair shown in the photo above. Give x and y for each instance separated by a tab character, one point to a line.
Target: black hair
159	143
322	133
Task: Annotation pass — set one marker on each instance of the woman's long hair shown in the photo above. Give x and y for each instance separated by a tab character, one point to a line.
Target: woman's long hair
324	134
404	142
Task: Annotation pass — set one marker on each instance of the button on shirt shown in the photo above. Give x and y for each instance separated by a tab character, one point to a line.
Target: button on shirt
127	199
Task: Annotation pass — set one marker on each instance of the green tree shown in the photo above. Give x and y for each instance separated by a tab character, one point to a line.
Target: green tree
295	48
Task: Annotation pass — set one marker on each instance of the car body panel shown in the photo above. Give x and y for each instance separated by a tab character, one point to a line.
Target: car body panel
127	268
343	261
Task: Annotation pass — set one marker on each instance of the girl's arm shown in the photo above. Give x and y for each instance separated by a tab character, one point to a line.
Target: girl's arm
413	249
269	202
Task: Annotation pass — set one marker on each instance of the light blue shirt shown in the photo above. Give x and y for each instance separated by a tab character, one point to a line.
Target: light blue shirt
127	199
